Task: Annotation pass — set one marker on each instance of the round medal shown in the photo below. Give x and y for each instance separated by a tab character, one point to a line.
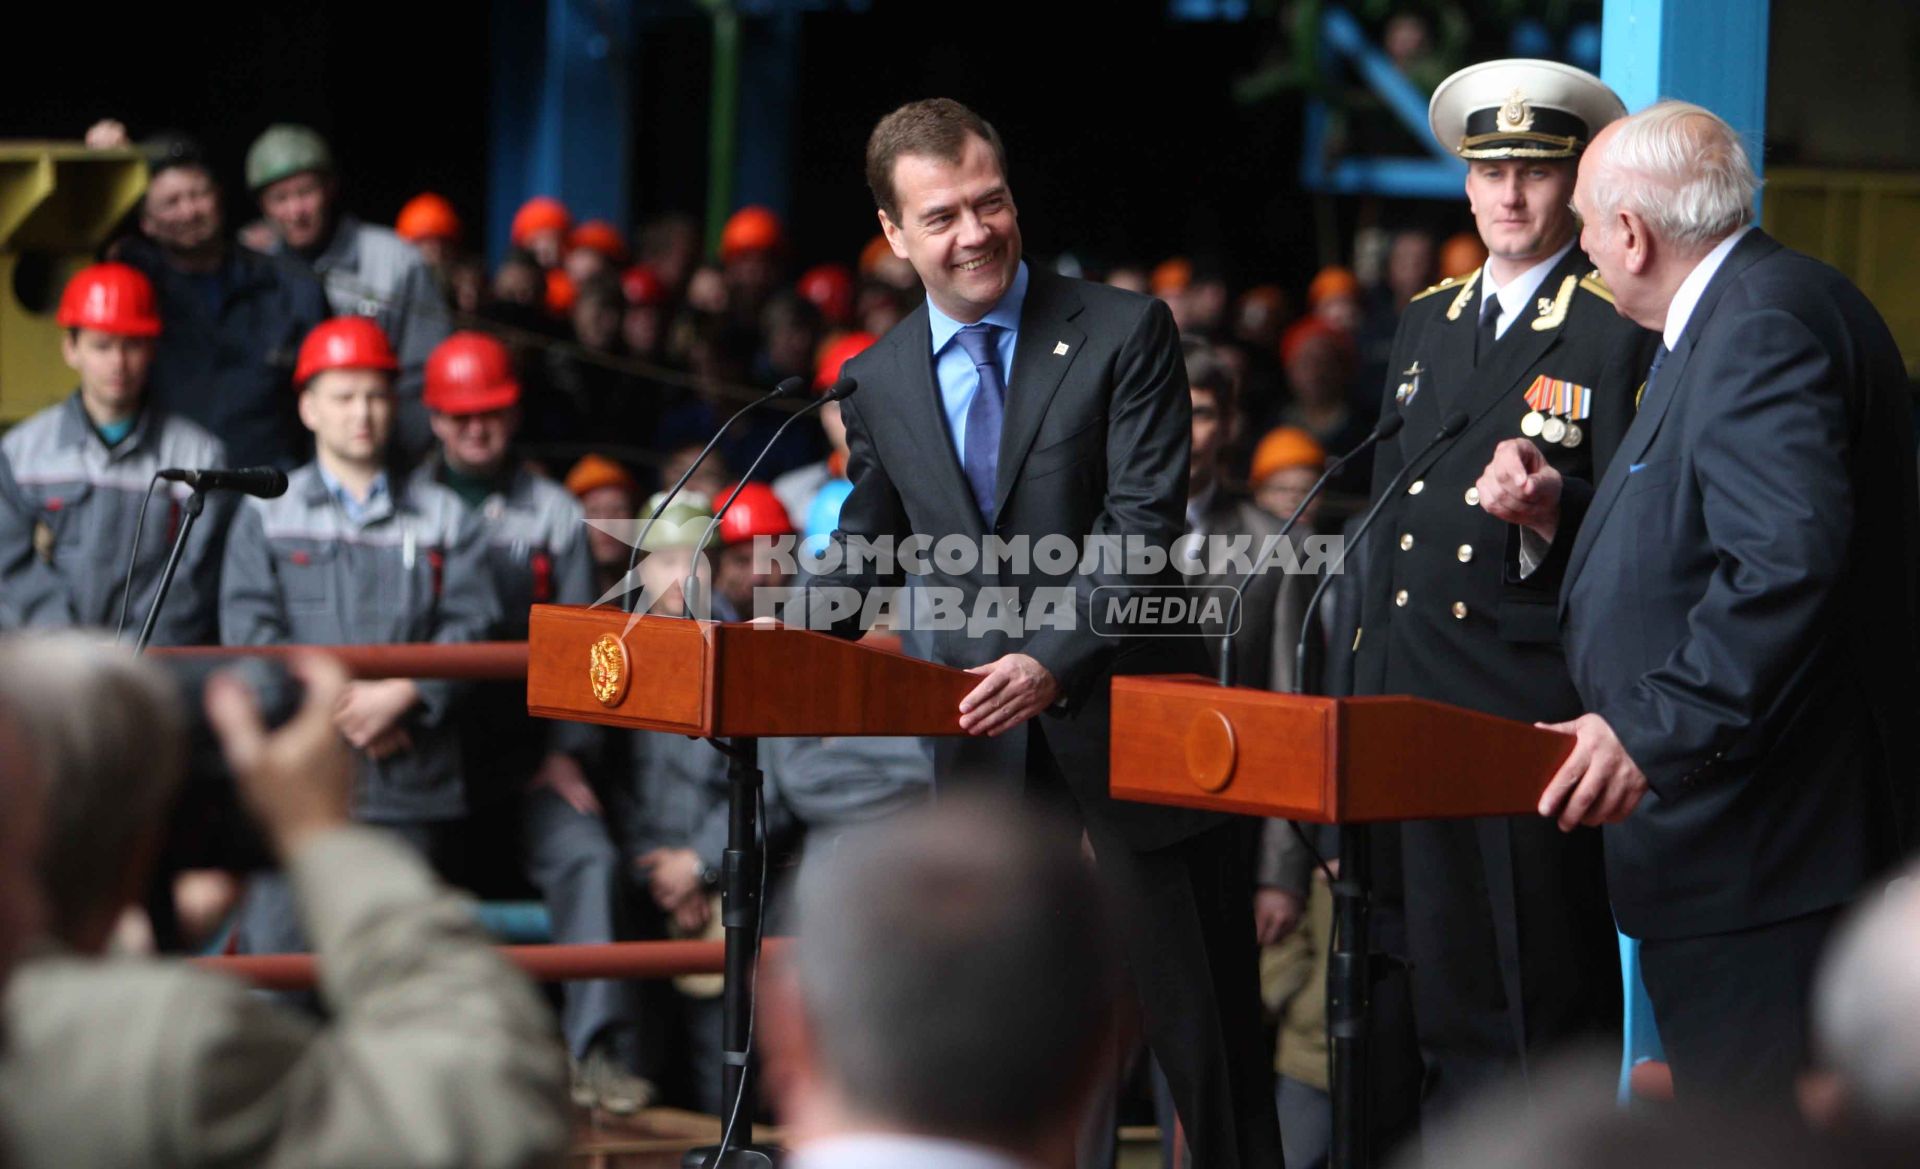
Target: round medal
1532	423
1554	429
1573	437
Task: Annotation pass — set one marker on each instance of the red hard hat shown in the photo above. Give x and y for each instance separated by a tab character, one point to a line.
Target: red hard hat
539	214
470	373
344	343
836	353
560	293
427	216
752	229
597	235
643	287
830	288
113	298
756	512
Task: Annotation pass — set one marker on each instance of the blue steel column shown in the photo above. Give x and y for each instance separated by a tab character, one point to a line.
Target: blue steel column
561	110
1711	52
769	87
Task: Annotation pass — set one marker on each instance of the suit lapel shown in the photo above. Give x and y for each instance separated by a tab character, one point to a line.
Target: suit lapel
1659	396
1452	371
1515	355
1048	346
922	414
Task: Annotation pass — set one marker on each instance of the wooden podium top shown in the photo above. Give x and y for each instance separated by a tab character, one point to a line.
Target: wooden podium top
1185	740
719	680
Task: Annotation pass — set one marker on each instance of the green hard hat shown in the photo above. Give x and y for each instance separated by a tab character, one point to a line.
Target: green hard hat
284	150
681	524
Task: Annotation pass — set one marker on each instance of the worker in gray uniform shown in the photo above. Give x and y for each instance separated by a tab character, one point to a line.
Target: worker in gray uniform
74	477
528	779
349	556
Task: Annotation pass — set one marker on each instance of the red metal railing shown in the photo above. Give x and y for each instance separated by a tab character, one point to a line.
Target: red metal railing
542	963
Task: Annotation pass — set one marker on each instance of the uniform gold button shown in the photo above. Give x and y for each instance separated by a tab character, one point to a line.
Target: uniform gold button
1465	553
1473	497
1460	610
1406	541
1416	487
1400	598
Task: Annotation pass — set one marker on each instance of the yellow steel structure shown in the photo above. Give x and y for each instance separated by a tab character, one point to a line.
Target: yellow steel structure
58	202
1863	223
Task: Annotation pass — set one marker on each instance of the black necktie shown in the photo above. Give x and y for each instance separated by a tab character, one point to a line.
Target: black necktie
1488	333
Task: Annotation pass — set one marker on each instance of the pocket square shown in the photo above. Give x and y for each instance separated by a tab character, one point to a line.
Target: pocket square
1633	468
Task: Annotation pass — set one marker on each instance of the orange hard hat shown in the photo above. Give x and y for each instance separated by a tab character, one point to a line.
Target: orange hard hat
469	373
1284	447
344	343
757	511
538	214
593	472
836	353
427	216
597	235
1461	254
877	251
113	298
643	287
1330	282
560	293
830	288
1307	329
752	229
1171	276
1268	296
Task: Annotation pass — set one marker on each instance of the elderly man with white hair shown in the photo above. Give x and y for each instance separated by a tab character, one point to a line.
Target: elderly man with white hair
1738	599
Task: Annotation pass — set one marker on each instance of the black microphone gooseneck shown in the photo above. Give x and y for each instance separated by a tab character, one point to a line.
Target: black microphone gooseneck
1388	427
792	387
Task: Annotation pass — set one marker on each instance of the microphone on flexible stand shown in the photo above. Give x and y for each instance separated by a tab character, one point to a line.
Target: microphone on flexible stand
792	387
1388	427
263	482
689	590
1454	424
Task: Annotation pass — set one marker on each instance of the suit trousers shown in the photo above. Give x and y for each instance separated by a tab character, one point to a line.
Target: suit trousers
1733	1007
1187	925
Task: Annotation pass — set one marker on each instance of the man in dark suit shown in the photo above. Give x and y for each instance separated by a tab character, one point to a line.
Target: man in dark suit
1021	407
1738	601
1511	945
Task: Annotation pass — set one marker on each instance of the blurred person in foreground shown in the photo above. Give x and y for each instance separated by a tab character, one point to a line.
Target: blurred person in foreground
949	1000
437	1053
1866	1017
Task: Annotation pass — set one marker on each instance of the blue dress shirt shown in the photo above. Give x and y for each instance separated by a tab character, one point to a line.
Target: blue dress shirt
953	369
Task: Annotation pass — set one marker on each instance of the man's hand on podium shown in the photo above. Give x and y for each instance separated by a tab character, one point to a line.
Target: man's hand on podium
1598	784
1016	688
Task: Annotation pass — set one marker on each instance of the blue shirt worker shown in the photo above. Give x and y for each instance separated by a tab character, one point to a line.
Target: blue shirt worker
349	556
74	477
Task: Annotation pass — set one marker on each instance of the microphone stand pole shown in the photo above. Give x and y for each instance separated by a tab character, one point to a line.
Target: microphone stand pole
195	503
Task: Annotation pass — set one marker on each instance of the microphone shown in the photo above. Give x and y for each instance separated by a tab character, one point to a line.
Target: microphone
1387	428
842	390
264	482
792	387
1454	424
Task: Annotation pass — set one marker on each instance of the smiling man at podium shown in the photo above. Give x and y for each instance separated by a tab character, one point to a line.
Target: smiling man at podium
1016	409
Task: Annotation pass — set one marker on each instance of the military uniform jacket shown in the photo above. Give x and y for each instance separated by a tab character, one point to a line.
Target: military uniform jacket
1441	618
298	570
68	506
536	553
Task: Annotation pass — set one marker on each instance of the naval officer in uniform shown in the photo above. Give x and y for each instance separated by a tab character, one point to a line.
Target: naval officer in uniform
1509	936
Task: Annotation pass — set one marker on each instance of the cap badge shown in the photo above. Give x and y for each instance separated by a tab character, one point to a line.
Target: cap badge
1516	116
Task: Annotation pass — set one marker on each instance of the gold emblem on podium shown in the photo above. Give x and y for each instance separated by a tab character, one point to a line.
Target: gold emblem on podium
607	670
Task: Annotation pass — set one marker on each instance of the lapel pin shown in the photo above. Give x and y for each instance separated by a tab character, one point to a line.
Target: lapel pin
1059	348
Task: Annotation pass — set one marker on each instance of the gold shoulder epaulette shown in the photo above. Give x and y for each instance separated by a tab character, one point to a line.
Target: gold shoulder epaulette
1592	283
1449	282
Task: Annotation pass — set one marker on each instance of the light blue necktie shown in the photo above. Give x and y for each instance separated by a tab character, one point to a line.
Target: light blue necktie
980	457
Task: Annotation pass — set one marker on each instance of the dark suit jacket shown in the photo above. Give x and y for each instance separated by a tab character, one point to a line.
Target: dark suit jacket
1739	604
1095	443
1439	618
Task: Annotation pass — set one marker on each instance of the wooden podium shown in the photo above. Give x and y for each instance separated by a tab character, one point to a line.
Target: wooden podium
1186	740
723	681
